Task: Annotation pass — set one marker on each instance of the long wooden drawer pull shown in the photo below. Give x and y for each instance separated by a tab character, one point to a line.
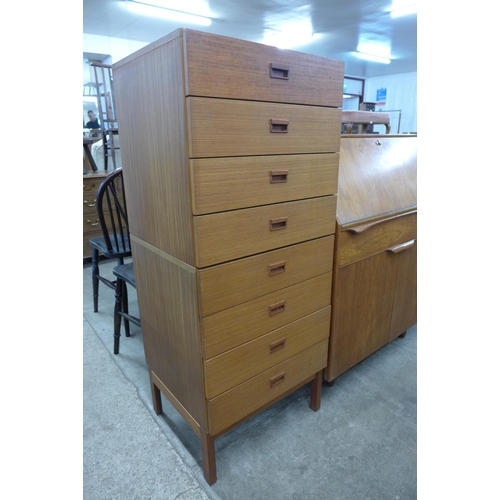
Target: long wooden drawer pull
279	126
402	247
280	223
277	379
85	202
279	71
96	223
276	308
277	268
277	345
364	227
277	176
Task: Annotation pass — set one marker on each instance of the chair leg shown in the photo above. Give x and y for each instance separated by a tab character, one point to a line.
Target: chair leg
126	322
95	277
117	316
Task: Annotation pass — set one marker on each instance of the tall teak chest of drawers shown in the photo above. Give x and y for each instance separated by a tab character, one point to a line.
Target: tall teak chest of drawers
230	159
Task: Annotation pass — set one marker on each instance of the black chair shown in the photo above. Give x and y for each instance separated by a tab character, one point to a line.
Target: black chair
124	274
113	221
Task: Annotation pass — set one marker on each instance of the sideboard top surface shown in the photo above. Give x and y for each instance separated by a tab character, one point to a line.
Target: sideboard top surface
377	176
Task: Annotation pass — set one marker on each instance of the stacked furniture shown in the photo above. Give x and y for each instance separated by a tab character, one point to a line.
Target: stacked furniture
375	269
230	150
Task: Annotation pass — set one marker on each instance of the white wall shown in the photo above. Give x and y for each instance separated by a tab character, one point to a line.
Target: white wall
401	94
116	48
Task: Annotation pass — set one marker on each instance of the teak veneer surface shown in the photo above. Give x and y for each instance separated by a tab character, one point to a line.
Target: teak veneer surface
221	184
223	127
233	283
231	157
376	179
377	237
219	66
156	176
234	326
230	235
235	404
247	360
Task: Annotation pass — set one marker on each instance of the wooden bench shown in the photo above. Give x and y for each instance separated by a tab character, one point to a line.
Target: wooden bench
365	118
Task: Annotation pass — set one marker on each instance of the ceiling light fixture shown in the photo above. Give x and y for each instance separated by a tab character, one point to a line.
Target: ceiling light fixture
371	57
404	11
158	8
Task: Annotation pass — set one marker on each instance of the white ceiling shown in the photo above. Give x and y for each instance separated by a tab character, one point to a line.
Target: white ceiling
339	24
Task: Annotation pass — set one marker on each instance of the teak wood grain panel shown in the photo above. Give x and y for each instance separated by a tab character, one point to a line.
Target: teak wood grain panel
166	292
239	182
219	66
233	283
237	365
377	175
223	127
404	310
363	240
230	235
362	313
154	148
233	405
232	327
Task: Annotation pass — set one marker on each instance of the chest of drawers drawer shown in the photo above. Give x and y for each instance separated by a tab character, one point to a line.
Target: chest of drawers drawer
363	240
239	324
222	127
233	405
221	184
230	235
233	283
237	365
237	69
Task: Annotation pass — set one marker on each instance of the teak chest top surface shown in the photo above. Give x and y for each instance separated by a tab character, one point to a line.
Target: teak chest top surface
229	68
377	176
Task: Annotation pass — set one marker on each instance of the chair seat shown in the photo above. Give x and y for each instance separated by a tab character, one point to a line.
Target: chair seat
126	273
99	243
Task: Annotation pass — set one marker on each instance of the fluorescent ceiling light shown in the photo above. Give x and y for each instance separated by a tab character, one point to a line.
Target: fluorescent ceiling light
159	8
404	11
290	35
371	57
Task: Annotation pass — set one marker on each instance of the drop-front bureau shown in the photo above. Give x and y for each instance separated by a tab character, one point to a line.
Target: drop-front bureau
375	267
230	158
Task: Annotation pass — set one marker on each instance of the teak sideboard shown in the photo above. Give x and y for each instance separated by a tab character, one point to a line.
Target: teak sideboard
230	155
374	297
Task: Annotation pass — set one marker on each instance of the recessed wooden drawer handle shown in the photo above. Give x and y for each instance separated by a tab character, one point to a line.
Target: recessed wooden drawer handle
279	126
279	71
96	223
280	223
85	202
277	268
402	247
276	308
277	345
277	176
277	379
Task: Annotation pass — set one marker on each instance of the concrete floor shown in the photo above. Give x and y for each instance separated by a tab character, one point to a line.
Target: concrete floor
361	444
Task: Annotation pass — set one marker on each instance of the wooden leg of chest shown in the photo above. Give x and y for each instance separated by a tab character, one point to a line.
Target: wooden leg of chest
208	453
316	391
156	397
